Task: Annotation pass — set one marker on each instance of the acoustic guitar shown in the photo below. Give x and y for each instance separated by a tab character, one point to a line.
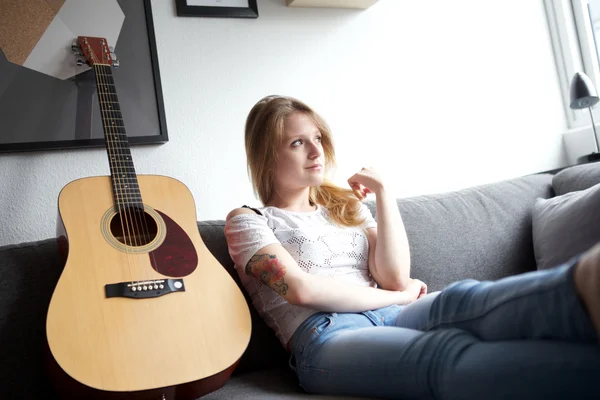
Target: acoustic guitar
142	309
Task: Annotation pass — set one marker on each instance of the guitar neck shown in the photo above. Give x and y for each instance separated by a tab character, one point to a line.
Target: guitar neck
123	175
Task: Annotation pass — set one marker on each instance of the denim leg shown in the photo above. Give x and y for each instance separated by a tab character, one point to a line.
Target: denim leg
447	364
416	314
535	305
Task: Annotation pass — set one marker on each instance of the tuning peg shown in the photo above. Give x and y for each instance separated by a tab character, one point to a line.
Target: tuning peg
113	56
116	63
79	62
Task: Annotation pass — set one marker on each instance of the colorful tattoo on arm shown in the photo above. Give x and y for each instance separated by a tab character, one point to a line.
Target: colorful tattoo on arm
268	269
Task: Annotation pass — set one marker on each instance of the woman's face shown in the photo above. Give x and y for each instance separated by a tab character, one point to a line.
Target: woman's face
300	162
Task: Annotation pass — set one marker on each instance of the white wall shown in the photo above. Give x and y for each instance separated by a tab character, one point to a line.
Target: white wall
437	95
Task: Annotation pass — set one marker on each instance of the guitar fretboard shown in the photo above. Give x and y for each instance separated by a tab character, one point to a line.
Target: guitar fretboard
123	176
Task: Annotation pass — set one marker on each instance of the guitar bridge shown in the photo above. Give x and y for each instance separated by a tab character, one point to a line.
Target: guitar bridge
144	289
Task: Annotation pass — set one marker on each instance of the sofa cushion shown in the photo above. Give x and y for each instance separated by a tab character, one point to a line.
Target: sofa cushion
565	226
264	349
482	232
28	274
579	177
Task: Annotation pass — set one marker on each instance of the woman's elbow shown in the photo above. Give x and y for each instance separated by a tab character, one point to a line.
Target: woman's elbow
301	295
295	298
397	281
397	285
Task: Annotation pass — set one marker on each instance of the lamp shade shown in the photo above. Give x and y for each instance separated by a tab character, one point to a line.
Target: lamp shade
583	92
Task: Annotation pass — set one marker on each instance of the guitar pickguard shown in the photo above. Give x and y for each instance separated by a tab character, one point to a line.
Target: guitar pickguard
176	256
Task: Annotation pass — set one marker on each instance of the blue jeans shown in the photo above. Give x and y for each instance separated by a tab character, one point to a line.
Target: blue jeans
522	337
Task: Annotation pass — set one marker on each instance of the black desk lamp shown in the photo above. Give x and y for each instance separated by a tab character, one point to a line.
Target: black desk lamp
584	95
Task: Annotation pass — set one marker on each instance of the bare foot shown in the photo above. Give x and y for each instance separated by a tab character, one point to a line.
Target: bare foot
587	282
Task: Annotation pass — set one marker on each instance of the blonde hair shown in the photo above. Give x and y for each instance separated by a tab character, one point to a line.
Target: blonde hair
264	132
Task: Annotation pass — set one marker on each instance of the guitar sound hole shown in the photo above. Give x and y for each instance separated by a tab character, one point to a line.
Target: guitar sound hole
133	227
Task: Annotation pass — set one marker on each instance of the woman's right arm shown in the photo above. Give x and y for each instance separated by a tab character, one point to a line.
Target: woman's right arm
274	266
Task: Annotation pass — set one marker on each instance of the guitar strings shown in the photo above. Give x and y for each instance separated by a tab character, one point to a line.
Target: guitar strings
140	228
112	160
130	214
121	174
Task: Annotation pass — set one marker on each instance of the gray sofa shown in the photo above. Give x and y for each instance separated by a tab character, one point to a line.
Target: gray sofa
483	232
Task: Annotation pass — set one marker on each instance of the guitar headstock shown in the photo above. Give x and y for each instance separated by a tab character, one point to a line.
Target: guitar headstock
94	50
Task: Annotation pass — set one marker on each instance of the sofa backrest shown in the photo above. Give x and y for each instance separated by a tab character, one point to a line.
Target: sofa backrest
483	232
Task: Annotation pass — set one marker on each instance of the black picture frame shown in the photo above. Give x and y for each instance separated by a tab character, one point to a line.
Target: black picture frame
185	10
151	79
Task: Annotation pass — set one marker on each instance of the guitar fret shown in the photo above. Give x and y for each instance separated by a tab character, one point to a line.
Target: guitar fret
120	168
105	106
122	165
126	182
124	194
124	157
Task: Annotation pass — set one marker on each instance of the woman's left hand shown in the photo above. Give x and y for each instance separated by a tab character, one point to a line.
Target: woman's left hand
423	291
364	182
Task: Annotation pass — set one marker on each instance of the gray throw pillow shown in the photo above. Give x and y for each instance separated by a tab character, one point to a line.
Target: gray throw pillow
564	226
578	177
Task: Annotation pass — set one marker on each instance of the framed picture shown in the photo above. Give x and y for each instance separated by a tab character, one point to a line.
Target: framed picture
39	111
217	8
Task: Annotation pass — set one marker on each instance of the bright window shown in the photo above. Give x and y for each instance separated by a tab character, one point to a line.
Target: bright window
575	30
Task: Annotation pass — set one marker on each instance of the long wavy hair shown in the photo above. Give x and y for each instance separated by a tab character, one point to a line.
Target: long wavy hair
264	132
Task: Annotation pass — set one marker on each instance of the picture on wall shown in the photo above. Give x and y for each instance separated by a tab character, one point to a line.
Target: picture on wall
217	8
48	102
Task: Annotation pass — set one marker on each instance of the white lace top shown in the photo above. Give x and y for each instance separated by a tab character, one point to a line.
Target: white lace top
318	245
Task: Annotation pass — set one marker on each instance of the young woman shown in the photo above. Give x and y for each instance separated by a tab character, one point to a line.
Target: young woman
335	287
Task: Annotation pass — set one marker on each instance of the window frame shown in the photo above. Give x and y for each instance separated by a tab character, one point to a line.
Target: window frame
574	49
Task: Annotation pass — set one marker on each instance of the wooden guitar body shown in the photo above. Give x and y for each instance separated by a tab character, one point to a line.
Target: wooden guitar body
156	316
